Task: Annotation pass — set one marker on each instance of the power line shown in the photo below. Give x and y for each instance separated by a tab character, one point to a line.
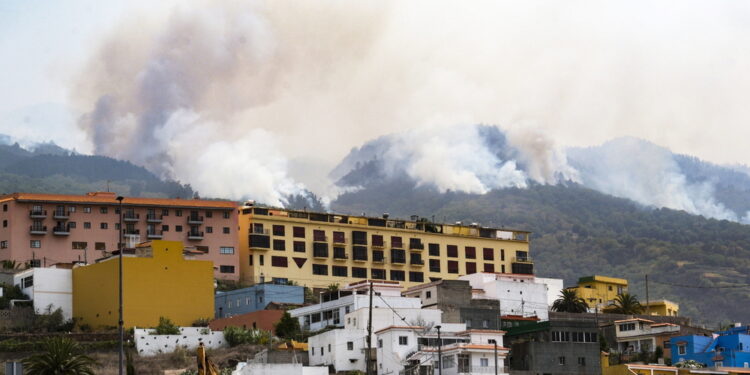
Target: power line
703	286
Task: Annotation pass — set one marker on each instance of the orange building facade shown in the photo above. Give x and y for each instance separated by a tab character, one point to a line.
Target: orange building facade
46	229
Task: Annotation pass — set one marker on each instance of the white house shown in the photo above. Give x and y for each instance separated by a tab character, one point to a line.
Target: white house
524	295
337	304
414	350
634	335
345	348
48	287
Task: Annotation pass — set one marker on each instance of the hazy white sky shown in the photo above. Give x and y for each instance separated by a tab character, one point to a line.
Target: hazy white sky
676	73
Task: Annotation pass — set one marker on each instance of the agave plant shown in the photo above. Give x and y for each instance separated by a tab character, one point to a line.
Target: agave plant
60	355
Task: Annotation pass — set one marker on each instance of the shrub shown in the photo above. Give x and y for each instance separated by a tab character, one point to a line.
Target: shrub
202	322
238	336
166	327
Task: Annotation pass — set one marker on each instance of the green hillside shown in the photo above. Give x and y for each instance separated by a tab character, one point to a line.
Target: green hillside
579	232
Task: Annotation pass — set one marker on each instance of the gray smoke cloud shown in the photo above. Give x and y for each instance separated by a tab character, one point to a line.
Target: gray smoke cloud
258	99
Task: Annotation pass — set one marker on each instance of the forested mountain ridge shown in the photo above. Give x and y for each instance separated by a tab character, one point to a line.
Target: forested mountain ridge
578	232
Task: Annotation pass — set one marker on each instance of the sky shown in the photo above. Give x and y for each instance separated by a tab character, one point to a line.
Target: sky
288	89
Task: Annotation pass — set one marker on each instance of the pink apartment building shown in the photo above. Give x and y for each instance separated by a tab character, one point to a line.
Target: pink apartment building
47	229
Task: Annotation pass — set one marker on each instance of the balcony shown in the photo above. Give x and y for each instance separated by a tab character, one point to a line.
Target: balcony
340	256
360	257
482	370
381	259
416	262
416	246
154	234
522	260
259	241
195	219
60	214
61	230
37	214
320	253
195	235
131	232
154	218
264	232
320	239
379	245
37	229
130	217
341	241
398	260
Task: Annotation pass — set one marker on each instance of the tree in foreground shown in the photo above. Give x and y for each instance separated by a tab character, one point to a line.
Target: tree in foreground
60	355
569	302
626	303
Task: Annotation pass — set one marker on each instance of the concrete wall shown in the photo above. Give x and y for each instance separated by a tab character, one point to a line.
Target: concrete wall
544	358
189	338
51	287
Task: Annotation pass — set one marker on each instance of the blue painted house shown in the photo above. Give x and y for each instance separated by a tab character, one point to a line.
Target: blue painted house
254	298
729	348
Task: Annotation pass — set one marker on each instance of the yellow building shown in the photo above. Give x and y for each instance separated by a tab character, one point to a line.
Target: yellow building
320	249
661	307
158	280
600	291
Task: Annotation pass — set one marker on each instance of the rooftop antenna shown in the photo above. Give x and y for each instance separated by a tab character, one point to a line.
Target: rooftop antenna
107	186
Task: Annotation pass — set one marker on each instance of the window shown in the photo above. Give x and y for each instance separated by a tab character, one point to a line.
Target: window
416	276
502	255
103	226
278	230
87	210
452	266
403	340
452	251
489	268
4	244
5	223
627	327
320	269
428	295
471	267
250	259
484	362
79	245
226	215
359	252
36	244
27	282
280	262
434	265
299	246
203	249
165	228
380	343
349	345
681	349
377	274
358	272
502	268
471	252
298	232
209	229
279	245
225	230
561	360
338	237
449	361
359	237
398	275
261	260
397	242
226	250
72	224
86	225
177	212
488	253
226	269
339	271
434	249
582	361
117	226
103	210
398	256
5	207
313	350
178	228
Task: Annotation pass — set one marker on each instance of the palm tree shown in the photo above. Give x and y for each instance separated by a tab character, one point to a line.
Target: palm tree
569	302
11	265
60	355
627	304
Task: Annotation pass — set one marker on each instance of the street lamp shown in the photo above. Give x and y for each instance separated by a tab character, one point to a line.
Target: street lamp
440	352
120	321
493	341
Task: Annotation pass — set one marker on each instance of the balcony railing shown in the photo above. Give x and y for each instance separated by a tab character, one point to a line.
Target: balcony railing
360	257
195	235
416	246
522	260
264	232
37	229
127	231
398	260
380	245
130	216
154	218
37	214
416	262
340	256
482	369
60	214
320	239
195	219
379	260
320	253
61	230
154	234
339	240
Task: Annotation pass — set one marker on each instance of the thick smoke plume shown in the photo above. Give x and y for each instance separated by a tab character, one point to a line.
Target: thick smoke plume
251	99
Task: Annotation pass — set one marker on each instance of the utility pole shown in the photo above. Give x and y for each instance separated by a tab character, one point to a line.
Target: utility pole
120	322
648	305
368	357
493	341
440	352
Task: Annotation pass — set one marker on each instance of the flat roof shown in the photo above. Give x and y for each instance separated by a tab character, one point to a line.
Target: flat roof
603	279
109	199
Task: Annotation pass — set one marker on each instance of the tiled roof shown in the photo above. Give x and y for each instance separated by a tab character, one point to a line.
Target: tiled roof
109	198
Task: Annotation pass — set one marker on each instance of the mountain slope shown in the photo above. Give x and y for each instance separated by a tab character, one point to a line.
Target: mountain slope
578	232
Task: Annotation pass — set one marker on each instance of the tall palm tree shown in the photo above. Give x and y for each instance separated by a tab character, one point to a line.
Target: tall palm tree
60	355
626	303
569	302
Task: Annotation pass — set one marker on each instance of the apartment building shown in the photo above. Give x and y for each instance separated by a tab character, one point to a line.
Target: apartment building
600	291
320	249
46	229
